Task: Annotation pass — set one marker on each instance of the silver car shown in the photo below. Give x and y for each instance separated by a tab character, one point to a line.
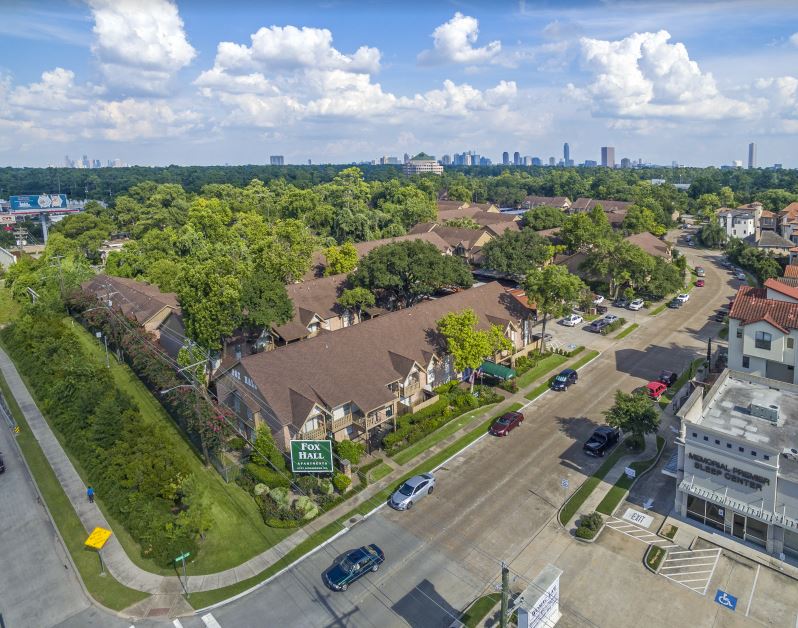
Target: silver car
411	491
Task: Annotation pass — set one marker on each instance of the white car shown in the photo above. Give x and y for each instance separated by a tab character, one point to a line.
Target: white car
683	297
572	320
636	305
611	318
598	299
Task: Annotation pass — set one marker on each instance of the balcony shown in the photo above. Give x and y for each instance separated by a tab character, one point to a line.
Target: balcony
318	434
344	421
374	419
410	388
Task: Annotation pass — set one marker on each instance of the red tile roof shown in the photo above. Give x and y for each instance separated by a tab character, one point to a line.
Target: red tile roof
791	270
782	288
752	305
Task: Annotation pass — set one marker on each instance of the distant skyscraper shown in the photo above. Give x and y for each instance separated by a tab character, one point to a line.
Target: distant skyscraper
85	161
566	154
608	156
516	158
626	162
505	158
590	163
446	160
751	155
527	161
406	158
276	160
95	163
536	161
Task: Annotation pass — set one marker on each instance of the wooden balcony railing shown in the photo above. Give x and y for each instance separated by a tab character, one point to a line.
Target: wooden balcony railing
343	422
318	434
411	388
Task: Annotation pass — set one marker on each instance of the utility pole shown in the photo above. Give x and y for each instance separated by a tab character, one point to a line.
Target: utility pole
505	594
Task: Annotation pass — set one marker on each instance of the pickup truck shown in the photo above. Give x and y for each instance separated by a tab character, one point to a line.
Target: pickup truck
601	441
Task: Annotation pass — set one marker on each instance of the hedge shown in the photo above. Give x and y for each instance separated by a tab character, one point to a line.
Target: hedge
613	326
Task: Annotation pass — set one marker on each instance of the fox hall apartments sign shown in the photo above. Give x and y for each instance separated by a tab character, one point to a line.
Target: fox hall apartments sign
311	456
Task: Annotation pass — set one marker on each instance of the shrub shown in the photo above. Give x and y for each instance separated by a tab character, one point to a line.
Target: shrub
613	326
325	487
236	443
592	521
267	476
341	482
307	484
509	385
350	450
585	533
260	489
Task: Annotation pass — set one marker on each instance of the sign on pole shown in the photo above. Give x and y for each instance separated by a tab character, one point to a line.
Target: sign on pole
182	556
98	538
7	219
311	456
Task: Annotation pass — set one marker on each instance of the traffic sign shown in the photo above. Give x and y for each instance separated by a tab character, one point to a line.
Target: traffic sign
98	538
183	556
724	599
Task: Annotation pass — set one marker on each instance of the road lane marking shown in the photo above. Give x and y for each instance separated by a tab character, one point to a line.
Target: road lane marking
753	588
210	621
176	623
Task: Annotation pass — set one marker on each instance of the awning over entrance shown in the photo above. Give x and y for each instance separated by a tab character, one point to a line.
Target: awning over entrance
497	370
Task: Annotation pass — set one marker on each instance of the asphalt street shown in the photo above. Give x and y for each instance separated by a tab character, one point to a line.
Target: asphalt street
493	500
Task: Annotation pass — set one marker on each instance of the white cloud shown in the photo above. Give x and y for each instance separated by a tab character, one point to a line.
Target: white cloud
140	44
794	39
453	42
643	75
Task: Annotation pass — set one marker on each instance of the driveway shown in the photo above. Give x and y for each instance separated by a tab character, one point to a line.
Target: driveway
495	501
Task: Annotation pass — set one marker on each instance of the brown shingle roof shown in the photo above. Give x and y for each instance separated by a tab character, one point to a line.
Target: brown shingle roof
480	216
136	299
650	244
586	204
553	201
450	205
752	305
357	363
453	236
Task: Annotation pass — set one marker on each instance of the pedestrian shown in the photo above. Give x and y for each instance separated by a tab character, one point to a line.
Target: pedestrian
90	494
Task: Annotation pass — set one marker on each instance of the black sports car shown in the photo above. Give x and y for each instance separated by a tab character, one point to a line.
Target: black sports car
352	566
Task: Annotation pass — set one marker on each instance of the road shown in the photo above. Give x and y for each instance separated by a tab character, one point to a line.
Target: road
494	501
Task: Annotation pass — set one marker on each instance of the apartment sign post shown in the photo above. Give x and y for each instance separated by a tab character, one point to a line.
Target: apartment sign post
311	456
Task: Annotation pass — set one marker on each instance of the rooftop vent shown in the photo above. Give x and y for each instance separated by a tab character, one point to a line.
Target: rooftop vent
770	412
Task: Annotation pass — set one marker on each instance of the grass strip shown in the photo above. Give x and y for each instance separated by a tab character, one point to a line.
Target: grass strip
584	359
669	394
584	491
446	430
479	609
625	332
654	556
105	589
379	472
618	491
542	367
208	598
658	309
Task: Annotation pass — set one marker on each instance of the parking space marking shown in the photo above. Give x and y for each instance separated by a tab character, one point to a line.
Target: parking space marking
691	563
210	621
641	534
753	588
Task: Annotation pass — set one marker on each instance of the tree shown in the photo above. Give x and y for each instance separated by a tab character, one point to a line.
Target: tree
264	300
712	234
619	262
340	259
210	296
517	252
463	223
468	345
543	217
266	453
633	413
402	273
356	299
639	219
582	230
553	291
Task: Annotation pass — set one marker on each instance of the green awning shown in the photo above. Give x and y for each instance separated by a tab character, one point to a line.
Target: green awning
497	370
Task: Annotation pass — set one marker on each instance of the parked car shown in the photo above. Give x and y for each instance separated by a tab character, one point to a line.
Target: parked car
655	390
622	302
601	309
564	379
668	378
675	304
684	297
740	275
506	423
597	325
699	271
354	566
720	316
601	441
611	318
572	320
598	299
699	283
636	305
411	491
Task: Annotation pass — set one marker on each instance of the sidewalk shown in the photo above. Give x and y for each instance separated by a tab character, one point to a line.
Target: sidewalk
119	564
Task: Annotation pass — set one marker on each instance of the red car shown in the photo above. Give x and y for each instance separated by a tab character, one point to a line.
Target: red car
506	423
699	283
655	389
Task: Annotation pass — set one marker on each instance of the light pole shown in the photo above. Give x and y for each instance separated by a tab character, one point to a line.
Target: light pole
168	390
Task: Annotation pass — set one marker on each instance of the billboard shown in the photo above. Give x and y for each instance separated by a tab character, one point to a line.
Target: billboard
311	456
37	203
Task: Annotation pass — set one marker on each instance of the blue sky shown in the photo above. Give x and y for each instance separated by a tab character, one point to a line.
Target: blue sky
156	82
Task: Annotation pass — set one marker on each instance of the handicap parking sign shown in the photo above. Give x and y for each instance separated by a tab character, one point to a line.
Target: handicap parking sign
724	599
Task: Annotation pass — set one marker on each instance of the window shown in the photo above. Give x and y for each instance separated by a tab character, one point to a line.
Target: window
717	442
766	457
313	423
706	438
746	362
695	435
741	449
790	343
762	340
389	411
739	333
728	445
753	453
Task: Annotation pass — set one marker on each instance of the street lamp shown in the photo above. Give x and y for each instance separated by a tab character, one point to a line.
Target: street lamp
163	392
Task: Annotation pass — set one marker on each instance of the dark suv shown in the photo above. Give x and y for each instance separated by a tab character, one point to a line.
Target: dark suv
602	440
564	379
668	378
597	325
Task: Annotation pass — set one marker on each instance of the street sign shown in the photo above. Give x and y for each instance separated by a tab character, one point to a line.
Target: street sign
724	599
182	556
98	538
564	483
311	456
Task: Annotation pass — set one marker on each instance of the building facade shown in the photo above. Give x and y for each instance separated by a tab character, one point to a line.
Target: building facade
737	466
422	166
608	156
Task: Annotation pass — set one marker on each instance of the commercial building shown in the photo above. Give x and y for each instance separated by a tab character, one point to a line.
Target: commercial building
751	155
566	155
608	156
505	158
516	158
422	166
737	465
276	160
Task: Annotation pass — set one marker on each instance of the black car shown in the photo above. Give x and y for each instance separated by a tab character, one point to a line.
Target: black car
624	303
353	566
564	379
601	309
668	378
602	440
675	304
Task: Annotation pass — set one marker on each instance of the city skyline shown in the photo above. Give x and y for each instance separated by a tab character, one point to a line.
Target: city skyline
339	84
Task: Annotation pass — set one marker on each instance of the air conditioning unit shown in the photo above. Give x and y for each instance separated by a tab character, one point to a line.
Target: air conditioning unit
770	412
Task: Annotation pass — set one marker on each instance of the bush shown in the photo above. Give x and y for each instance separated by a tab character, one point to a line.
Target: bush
350	450
236	443
592	521
260	489
613	326
341	482
263	475
585	533
509	385
307	484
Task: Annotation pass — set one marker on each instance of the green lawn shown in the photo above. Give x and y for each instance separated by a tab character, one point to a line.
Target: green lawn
105	589
406	455
658	309
207	598
629	329
8	307
545	365
583	492
618	491
233	512
683	377
479	609
379	472
584	359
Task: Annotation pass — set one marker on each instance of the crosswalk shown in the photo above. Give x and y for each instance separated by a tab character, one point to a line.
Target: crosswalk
691	568
641	534
208	620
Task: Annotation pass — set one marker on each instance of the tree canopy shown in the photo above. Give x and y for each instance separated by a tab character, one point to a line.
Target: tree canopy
634	413
468	345
517	252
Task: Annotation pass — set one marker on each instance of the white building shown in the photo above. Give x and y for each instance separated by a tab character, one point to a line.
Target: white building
763	331
422	166
738	223
737	465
